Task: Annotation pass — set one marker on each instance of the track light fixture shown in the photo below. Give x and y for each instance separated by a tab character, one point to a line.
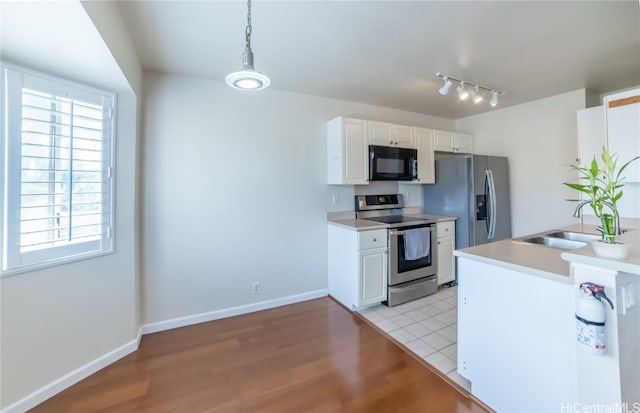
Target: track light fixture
466	88
445	88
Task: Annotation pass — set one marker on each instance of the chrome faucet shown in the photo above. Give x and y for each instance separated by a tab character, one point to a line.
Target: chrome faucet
577	213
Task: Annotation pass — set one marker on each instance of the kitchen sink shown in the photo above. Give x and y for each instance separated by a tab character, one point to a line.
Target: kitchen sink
573	236
564	240
554	242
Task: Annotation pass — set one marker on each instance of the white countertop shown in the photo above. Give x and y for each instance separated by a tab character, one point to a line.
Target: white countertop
357	224
534	259
553	263
631	264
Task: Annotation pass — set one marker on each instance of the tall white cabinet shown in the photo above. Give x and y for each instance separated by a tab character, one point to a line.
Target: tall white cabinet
592	134
622	116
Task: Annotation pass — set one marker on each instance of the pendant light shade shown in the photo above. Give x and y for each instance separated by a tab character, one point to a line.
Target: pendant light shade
247	78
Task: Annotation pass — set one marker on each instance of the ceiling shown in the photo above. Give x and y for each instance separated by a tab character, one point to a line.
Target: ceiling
387	53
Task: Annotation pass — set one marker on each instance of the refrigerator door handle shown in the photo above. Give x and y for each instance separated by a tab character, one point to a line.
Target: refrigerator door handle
492	204
487	204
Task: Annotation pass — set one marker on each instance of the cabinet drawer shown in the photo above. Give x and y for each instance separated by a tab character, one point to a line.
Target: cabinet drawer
446	229
373	239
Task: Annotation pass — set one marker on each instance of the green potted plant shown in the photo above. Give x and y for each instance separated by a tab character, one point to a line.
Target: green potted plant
602	184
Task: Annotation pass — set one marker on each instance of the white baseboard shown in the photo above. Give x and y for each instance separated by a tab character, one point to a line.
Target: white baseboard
230	312
32	400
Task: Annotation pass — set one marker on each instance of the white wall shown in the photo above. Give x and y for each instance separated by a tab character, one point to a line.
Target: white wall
540	140
57	320
235	192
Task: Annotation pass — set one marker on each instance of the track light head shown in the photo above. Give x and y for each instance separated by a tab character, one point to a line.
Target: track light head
463	93
475	95
444	90
494	98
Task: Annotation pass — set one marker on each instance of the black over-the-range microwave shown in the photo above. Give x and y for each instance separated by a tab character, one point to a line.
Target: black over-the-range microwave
388	163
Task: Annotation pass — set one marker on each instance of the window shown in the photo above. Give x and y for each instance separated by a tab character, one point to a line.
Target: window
56	182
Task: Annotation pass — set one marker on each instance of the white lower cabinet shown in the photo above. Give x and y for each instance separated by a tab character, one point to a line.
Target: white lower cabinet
446	245
357	265
517	338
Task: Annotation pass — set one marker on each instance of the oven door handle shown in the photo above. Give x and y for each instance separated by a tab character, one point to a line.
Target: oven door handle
397	233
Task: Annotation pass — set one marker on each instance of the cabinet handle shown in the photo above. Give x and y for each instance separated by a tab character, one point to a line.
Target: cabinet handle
375	240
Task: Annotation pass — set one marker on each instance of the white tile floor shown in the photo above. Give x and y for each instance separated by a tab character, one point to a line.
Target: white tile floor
427	327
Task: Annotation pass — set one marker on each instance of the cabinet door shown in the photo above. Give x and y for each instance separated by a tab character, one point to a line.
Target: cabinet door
443	141
403	136
355	152
445	260
380	134
426	162
592	134
373	276
463	143
623	130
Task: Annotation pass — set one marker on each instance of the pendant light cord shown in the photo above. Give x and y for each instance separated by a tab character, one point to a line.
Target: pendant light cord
247	32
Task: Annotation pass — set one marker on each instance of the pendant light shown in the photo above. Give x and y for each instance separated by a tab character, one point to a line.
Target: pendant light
247	78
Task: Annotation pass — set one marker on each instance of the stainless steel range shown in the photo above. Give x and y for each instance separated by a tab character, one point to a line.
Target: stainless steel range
412	257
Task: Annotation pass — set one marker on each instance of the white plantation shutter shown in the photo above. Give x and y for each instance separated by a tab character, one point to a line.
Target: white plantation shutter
58	176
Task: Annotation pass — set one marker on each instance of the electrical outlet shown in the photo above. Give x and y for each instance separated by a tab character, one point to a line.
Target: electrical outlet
255	287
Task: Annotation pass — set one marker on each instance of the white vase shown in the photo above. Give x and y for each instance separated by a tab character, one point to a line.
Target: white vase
616	251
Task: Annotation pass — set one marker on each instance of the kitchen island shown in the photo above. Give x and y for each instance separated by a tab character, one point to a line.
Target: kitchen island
517	328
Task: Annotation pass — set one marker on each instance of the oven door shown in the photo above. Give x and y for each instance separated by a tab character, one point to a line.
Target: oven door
402	270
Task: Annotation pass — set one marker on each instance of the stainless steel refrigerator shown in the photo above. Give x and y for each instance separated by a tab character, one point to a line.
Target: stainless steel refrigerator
474	188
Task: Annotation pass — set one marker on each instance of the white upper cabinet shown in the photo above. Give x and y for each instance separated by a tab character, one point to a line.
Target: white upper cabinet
380	133
592	134
388	134
403	136
347	152
623	129
463	142
426	163
445	141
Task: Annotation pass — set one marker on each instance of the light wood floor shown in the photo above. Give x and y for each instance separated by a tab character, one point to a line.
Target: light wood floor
313	356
